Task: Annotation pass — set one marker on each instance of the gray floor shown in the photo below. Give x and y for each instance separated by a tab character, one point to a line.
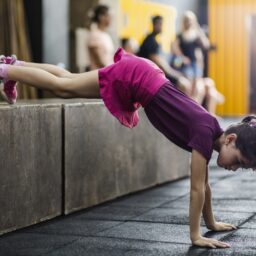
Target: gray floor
152	222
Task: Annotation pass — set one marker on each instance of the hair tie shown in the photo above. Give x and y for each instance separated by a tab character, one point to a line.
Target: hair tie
252	123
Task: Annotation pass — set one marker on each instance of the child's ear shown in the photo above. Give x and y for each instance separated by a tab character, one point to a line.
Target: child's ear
230	138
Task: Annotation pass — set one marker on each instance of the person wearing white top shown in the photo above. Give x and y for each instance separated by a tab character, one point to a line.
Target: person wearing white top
100	43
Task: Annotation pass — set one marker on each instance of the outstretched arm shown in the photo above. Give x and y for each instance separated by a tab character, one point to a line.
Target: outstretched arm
197	194
207	209
197	200
208	212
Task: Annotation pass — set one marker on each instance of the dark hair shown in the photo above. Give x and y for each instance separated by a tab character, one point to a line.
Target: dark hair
156	18
246	137
124	41
99	10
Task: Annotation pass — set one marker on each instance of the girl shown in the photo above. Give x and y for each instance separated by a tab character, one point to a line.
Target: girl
132	81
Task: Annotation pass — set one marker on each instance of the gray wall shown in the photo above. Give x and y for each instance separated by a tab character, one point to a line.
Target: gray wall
56	31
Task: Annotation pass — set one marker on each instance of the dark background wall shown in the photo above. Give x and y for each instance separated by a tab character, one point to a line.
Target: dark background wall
78	18
33	13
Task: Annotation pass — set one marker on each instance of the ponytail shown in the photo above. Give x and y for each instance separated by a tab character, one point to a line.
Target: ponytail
250	120
98	11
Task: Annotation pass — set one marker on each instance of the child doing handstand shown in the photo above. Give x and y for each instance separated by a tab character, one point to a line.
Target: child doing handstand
132	82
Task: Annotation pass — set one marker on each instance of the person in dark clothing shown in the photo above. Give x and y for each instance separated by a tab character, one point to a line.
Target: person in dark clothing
150	45
188	59
151	49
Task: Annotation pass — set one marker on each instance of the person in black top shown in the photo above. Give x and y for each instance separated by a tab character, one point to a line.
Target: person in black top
151	49
150	46
188	59
188	46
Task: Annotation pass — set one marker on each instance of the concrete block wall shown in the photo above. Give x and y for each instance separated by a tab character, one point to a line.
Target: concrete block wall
59	156
104	160
30	164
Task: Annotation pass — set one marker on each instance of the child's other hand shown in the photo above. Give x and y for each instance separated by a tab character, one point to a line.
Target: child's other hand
209	242
220	226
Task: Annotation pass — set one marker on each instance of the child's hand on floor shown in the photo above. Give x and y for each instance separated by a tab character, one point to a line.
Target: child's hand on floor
209	242
220	226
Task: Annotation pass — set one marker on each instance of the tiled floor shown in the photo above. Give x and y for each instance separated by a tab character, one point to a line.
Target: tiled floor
153	222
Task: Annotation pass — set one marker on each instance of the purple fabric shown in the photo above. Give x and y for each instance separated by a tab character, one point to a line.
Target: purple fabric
127	84
183	121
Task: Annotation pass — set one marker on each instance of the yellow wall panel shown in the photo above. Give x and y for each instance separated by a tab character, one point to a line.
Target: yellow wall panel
228	66
135	20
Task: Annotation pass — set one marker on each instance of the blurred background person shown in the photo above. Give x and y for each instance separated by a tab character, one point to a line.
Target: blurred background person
100	43
130	45
187	48
151	49
188	58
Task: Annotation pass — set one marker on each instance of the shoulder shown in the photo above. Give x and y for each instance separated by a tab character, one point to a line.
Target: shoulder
207	124
203	135
150	44
94	36
202	130
150	38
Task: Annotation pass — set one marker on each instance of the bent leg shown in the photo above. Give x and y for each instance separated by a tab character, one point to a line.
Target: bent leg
185	85
212	90
83	85
198	91
213	96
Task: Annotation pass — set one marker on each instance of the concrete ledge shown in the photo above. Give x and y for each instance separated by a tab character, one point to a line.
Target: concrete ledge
59	156
30	166
104	160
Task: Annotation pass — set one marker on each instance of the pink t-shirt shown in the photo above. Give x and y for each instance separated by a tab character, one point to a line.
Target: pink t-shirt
128	83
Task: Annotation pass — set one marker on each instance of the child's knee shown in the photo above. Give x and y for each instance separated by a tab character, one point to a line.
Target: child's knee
65	74
62	89
209	82
63	94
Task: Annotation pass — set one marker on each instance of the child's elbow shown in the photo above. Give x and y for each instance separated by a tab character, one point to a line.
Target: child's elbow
198	189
